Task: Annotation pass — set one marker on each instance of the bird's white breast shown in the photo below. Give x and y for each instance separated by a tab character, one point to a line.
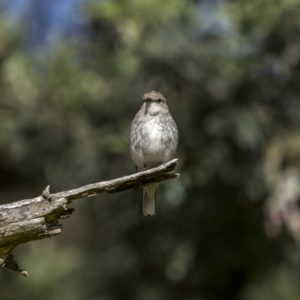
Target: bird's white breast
154	133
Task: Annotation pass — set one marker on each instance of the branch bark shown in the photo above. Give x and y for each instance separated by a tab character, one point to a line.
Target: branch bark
38	218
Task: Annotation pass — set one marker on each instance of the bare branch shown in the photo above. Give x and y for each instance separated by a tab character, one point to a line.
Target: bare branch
38	218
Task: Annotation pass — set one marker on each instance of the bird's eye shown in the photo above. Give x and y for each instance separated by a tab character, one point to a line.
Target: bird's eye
159	101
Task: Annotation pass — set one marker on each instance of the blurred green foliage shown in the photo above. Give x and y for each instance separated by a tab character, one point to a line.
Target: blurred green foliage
228	228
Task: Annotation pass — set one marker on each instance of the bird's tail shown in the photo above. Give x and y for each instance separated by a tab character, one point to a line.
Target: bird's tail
149	199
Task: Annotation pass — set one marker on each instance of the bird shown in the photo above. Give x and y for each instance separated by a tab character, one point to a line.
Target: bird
153	141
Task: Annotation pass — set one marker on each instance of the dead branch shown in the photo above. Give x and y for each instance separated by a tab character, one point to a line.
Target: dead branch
38	218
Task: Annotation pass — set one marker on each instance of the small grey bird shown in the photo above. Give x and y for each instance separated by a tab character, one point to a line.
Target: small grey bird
153	141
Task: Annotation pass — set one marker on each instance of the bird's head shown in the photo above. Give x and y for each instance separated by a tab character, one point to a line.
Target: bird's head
154	103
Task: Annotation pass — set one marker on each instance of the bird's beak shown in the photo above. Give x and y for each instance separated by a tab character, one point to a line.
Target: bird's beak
147	105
